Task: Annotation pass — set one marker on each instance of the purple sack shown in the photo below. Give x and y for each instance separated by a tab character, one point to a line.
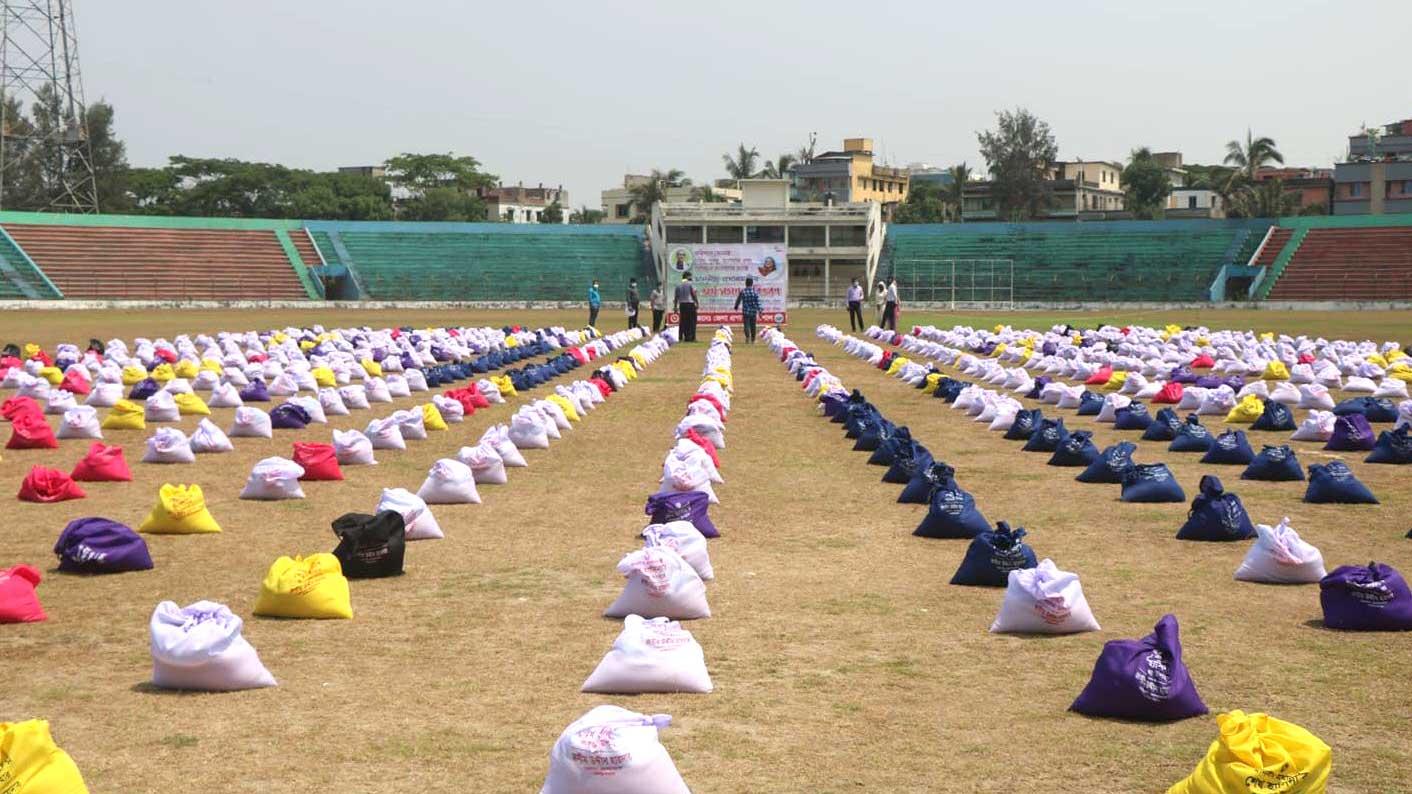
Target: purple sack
143	389
1208	382
1351	433
256	392
1366	598
1142	680
683	506
101	545
289	416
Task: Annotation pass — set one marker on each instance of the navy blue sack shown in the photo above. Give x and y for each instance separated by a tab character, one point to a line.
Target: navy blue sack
871	435
1394	446
1038	388
1372	408
854	399
1047	437
1151	482
1164	426
907	465
1276	463
991	557
1231	448
919	488
1025	423
1334	482
950	388
1090	404
1275	417
834	405
1112	463
951	513
858	417
1133	416
891	441
1216	515
1077	450
1191	437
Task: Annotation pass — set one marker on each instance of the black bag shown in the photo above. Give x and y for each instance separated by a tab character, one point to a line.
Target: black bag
370	546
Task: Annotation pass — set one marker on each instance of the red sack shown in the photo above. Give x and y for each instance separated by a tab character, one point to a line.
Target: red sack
705	443
1100	377
43	357
46	485
711	398
103	463
469	397
6	362
256	358
30	431
1170	393
602	386
168	356
786	350
18	601
578	354
478	399
75	383
18	405
1203	361
896	339
318	460
1306	358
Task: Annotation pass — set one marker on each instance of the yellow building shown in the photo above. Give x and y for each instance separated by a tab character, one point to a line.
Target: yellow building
850	176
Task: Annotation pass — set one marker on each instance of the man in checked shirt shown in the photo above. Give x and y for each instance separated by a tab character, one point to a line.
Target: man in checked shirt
748	301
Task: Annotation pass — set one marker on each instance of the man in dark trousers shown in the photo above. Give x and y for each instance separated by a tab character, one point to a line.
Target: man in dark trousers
632	302
890	304
748	301
855	307
594	302
685	301
658	300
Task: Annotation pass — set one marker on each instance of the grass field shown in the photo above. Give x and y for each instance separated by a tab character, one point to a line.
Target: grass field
842	659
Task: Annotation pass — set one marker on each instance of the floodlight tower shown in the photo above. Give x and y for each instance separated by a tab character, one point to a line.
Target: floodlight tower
45	156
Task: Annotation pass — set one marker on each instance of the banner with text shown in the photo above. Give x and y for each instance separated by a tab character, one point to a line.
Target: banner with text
719	273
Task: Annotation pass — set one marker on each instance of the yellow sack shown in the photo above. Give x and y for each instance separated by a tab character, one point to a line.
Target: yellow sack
639	357
1000	348
305	587
1115	382
54	375
1377	358
133	374
212	365
431	417
125	415
190	405
180	510
324	377
724	377
568	408
162	373
31	350
1203	341
511	341
504	384
1275	370
30	762
898	362
186	368
1401	371
371	367
933	380
1246	411
307	344
1257	753
1394	355
280	337
1268	336
627	369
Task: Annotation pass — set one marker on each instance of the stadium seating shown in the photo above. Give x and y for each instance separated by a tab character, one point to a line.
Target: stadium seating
1368	263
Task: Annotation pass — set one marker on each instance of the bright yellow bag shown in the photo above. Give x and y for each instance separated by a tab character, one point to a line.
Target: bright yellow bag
212	365
305	587
1257	753
371	367
190	405
933	380
1116	380
1377	358
125	415
30	762
1394	355
31	350
1275	370
504	384
431	417
897	363
639	357
54	375
180	510
511	341
133	374
186	368
324	377
162	373
568	408
1401	371
1000	348
1246	411
1268	336
628	370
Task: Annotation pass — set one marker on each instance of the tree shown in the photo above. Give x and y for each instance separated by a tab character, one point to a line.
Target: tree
109	158
955	192
1249	157
585	215
426	171
779	168
805	155
1264	199
553	213
706	194
926	203
227	187
654	189
442	204
1146	185
1018	155
742	166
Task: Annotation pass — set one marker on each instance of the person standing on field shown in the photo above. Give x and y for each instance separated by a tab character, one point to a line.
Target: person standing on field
748	301
890	304
685	300
595	301
632	302
658	301
879	293
855	307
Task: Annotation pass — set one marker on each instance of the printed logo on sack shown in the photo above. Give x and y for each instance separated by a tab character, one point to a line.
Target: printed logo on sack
1197	431
1277	453
1156	474
1230	513
952	503
1338	471
85	553
1371	594
596	751
1226	442
1007	560
1052	610
1274	781
1154	680
654	574
665	636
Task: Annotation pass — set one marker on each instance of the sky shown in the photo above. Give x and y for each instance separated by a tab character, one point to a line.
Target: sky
580	93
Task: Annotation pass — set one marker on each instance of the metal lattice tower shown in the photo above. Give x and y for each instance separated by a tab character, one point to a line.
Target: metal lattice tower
46	159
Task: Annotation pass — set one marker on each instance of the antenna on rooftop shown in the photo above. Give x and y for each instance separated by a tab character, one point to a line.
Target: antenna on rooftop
39	73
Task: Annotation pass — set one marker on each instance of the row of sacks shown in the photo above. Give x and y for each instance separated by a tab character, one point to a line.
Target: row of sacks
611	750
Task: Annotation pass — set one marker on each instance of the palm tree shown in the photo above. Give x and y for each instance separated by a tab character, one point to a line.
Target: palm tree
742	166
960	175
805	155
707	194
779	169
653	190
1251	156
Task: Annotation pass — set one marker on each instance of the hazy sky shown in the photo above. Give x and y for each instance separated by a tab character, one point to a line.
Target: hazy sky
579	93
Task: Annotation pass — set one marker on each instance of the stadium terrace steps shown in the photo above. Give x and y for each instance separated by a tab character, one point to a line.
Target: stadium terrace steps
1278	237
305	247
1372	263
87	261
